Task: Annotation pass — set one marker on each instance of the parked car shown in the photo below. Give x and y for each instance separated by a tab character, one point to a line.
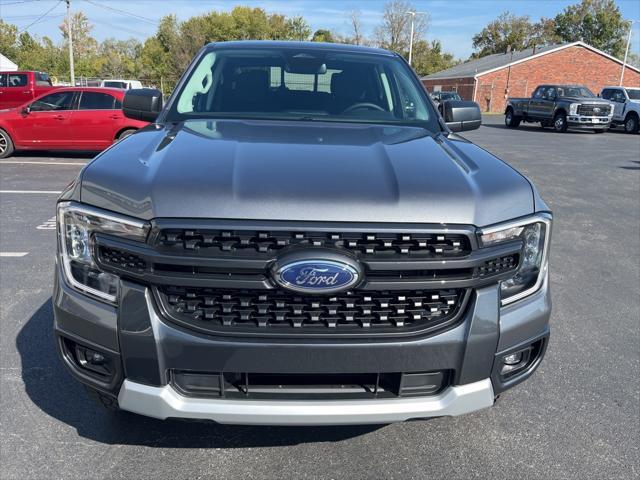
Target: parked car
440	96
17	88
626	106
560	107
300	239
80	118
124	84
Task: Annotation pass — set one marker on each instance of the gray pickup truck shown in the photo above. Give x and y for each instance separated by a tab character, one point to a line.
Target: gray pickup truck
299	238
561	107
626	107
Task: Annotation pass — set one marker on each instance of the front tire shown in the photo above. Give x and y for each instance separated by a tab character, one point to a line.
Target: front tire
631	124
125	133
6	145
511	120
560	122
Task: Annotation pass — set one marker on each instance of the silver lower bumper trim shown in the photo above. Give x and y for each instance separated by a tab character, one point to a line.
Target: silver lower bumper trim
165	402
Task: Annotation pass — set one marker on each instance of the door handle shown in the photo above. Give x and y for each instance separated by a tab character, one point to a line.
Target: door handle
59	117
116	117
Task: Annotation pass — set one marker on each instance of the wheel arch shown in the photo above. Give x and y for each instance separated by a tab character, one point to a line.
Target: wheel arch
124	129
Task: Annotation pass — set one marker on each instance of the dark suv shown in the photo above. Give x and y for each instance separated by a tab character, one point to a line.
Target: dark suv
300	238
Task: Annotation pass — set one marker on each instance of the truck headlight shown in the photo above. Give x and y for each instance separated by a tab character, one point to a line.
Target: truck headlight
535	233
76	226
573	108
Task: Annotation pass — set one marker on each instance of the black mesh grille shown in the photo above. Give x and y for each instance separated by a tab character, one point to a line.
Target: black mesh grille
212	309
588	110
498	265
221	242
121	259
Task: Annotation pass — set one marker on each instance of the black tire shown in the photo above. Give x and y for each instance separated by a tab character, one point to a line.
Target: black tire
6	145
125	133
511	120
560	122
631	124
105	401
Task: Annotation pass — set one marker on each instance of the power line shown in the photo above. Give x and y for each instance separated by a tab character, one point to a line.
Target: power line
40	17
3	4
123	12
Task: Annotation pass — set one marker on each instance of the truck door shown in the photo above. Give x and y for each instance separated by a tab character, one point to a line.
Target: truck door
548	103
16	90
619	100
536	102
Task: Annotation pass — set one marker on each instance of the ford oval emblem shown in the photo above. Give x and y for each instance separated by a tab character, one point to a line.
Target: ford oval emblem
316	272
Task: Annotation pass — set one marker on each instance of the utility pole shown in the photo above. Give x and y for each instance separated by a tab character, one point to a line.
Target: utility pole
413	16
626	52
69	33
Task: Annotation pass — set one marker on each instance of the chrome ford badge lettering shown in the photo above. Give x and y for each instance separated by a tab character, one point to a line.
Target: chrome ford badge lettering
316	275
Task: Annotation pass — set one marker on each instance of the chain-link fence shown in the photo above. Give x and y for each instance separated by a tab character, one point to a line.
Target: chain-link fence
165	85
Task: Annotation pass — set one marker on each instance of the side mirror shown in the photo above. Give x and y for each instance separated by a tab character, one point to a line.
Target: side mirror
142	104
26	110
461	115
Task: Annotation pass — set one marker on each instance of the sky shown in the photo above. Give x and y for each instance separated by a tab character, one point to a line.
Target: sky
453	22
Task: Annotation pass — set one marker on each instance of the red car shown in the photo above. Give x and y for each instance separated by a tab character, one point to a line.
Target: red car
17	88
79	118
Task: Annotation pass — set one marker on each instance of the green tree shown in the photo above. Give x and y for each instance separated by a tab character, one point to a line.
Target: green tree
8	39
297	29
596	22
515	32
429	57
323	35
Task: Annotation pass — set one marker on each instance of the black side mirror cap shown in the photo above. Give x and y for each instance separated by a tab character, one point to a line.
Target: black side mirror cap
142	104
461	115
26	110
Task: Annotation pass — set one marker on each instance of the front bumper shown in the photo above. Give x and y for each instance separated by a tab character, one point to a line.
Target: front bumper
165	402
146	348
581	121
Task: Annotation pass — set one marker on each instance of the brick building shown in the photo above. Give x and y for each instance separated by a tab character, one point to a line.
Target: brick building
490	80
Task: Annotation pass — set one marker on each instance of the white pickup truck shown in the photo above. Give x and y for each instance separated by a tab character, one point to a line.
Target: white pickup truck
626	111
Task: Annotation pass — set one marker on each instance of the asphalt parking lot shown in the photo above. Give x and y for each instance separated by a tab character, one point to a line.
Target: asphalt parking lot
578	417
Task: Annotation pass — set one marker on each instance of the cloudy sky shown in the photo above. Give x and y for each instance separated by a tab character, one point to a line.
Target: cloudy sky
453	22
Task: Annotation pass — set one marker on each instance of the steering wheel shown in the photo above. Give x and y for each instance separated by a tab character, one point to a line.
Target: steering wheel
358	105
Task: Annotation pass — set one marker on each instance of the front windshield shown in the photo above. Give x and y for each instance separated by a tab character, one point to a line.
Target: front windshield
449	96
115	84
303	84
633	93
575	92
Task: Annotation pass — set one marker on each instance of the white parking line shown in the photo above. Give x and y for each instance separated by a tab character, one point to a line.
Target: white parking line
13	254
31	191
16	162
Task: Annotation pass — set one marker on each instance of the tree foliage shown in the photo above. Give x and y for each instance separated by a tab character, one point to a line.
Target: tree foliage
596	22
510	31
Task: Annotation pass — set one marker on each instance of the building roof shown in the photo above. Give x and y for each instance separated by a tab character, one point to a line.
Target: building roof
490	63
6	64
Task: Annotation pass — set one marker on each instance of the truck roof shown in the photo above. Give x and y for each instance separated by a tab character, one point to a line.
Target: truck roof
290	44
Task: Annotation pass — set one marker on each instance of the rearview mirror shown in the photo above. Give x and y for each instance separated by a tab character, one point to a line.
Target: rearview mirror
142	104
461	115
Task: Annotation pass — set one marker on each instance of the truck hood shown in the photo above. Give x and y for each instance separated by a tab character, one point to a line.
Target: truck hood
589	100
311	171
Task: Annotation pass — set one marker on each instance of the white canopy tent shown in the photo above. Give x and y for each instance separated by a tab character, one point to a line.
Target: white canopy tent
7	65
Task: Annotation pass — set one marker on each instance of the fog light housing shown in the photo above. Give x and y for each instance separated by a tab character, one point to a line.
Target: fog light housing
93	361
514	362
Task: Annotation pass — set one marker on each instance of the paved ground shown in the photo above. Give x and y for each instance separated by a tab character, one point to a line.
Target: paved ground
576	418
